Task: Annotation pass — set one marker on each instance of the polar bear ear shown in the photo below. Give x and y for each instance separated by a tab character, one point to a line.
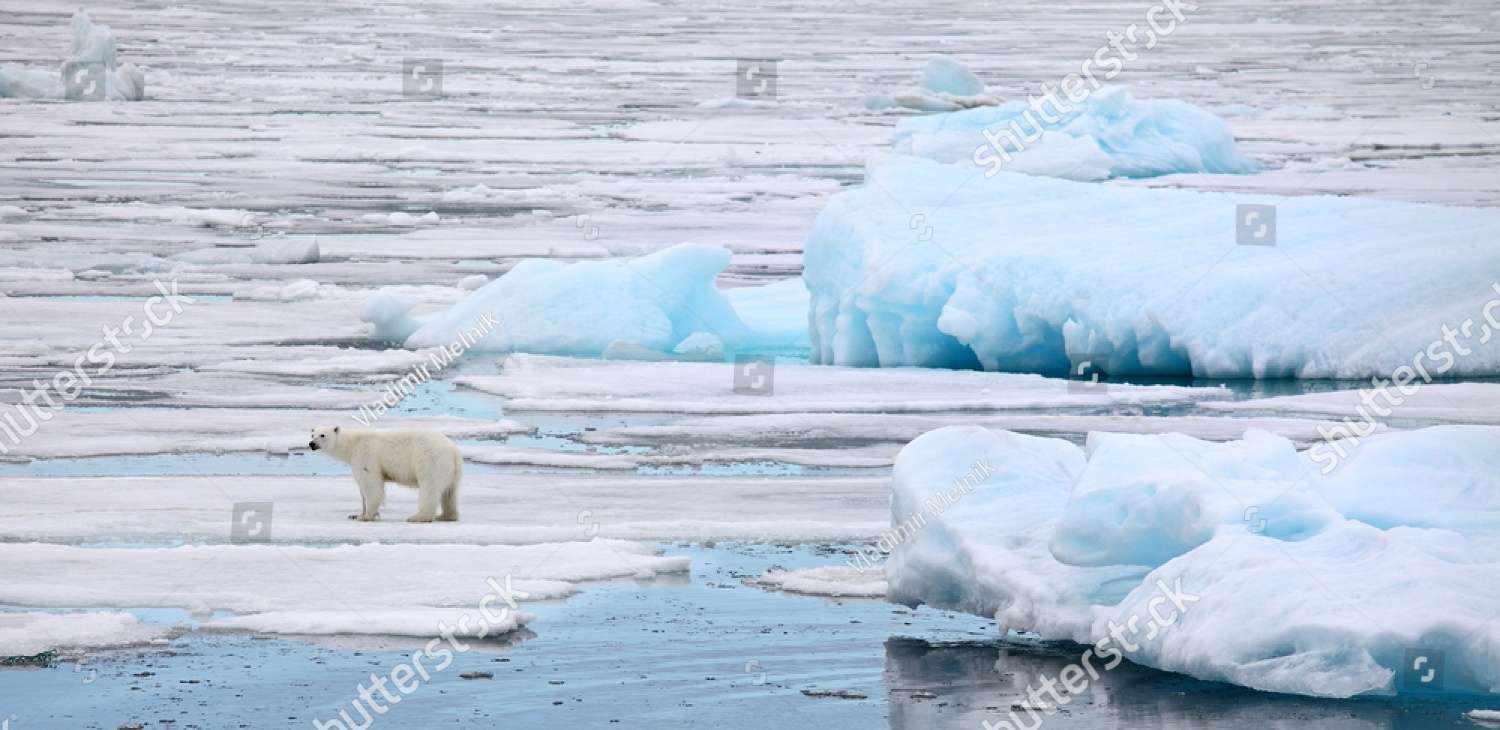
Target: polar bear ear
335	429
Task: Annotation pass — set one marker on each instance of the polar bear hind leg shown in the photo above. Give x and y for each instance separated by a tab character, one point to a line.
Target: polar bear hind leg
450	504
434	483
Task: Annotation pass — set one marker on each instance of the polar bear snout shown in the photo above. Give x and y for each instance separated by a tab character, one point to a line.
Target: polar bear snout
312	445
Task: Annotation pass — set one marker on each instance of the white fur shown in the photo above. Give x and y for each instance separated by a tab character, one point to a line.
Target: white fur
417	458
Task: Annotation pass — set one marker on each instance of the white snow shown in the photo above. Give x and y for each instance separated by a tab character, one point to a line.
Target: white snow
1285	581
1020	273
28	633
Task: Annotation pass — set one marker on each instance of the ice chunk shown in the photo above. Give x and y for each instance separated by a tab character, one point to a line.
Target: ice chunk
1021	273
92	70
544	306
972	512
1108	134
418	622
946	85
287	252
827	580
1284	595
475	281
946	75
27	633
300	290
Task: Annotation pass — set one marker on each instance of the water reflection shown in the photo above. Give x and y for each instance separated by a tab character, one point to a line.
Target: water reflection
964	685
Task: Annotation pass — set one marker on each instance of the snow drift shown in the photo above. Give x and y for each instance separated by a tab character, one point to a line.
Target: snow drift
1033	274
92	70
1289	581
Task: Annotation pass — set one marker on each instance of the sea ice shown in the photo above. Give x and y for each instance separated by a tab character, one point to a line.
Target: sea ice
27	633
545	306
1109	134
946	85
828	580
1030	274
546	383
92	70
1282	579
297	589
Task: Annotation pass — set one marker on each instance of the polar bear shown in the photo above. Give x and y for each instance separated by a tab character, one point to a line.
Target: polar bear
417	458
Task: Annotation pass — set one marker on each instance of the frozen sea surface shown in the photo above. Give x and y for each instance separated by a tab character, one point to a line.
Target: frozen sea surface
273	130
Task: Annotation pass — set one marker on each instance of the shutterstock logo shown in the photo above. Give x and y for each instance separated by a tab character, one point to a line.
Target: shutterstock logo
251	522
754	375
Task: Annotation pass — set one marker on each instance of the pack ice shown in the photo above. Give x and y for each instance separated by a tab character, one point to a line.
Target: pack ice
92	70
933	264
655	303
1236	562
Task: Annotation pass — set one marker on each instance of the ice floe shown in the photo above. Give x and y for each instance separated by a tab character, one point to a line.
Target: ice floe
1279	579
296	589
829	580
1030	274
28	633
542	383
497	509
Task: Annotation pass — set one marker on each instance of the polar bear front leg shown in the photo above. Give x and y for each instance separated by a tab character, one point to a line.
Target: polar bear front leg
371	494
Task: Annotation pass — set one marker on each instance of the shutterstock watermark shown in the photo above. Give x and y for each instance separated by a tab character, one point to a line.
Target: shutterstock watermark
404	676
1075	678
38	404
932	507
438	358
1433	361
1108	61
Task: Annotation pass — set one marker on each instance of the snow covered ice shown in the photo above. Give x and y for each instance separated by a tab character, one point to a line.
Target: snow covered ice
1072	543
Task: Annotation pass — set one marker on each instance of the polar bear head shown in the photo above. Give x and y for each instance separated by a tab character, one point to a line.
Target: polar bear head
326	437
